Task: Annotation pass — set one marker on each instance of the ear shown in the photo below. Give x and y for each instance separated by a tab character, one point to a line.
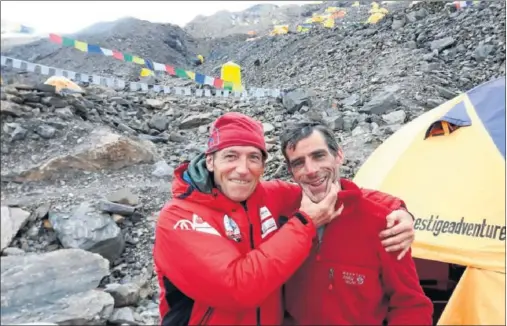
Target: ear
209	162
339	157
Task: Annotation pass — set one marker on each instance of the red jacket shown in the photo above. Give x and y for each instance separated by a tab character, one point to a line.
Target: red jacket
349	278
212	273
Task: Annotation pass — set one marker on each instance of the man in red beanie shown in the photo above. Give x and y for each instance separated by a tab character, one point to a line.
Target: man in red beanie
220	254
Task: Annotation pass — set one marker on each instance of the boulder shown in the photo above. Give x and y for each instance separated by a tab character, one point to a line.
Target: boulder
89	230
55	287
103	150
12	220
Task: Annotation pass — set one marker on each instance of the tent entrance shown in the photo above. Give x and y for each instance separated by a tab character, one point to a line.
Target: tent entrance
438	281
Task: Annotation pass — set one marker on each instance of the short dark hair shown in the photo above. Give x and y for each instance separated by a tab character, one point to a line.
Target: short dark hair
295	133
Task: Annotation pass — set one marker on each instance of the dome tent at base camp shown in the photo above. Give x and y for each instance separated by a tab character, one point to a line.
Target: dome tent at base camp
63	84
448	165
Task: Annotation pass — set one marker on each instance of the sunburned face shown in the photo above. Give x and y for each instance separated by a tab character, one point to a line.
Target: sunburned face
313	166
237	170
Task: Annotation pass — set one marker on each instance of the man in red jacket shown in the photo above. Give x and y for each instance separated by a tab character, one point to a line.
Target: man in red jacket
349	278
220	253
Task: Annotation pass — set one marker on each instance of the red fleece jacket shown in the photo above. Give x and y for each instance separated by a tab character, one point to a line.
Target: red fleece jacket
349	278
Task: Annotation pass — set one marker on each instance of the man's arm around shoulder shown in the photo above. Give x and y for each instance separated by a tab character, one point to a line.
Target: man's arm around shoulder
383	199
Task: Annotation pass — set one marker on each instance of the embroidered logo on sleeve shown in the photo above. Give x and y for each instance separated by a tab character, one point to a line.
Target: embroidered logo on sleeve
268	226
197	224
264	213
268	222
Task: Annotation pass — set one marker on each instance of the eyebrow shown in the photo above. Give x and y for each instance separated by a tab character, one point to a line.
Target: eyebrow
315	152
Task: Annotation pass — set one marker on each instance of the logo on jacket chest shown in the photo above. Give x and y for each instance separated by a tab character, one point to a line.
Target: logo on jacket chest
232	230
351	278
268	223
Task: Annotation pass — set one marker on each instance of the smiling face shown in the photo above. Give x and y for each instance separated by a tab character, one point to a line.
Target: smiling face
313	166
237	170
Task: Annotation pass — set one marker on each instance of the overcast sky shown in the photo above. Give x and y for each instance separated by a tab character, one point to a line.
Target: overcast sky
71	16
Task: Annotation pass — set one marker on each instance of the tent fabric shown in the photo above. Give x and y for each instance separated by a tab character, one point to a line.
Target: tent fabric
63	84
489	102
472	302
231	72
453	183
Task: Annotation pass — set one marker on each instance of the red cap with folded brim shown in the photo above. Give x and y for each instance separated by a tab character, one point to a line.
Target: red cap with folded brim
236	129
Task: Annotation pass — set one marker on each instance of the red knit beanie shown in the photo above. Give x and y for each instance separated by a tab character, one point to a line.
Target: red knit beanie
236	129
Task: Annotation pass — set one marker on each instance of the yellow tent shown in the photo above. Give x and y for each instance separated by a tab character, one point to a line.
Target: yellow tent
231	72
448	165
63	84
280	30
303	28
145	72
318	18
328	23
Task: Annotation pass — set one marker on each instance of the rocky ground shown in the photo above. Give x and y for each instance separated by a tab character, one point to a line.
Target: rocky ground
84	176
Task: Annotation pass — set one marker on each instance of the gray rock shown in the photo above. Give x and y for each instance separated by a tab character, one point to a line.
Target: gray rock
445	92
349	123
13	251
202	129
123	316
155	139
338	123
159	122
123	196
124	294
11	109
268	127
483	51
162	170
154	103
443	43
381	102
195	121
294	100
64	112
397	24
177	138
55	102
89	230
116	208
352	101
12	220
45	131
54	287
30	97
19	133
395	117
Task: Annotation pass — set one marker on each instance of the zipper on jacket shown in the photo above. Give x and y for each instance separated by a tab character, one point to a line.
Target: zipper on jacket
206	317
331	279
320	239
252	246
